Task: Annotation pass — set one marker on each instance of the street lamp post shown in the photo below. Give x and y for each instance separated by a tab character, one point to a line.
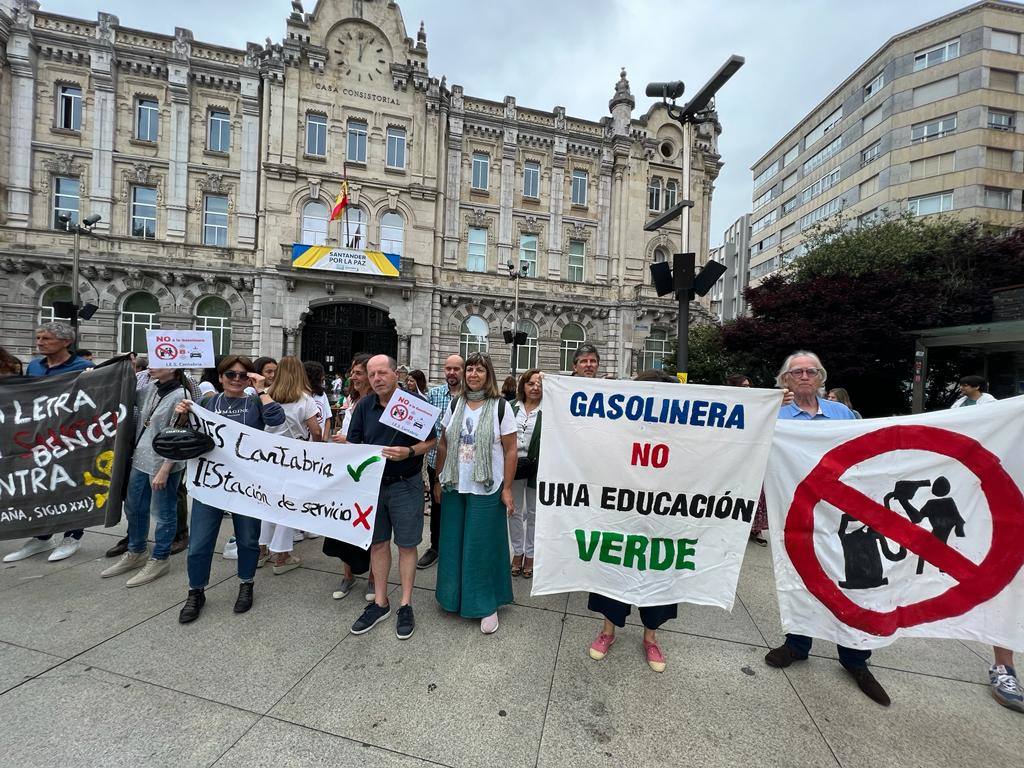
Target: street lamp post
78	229
515	337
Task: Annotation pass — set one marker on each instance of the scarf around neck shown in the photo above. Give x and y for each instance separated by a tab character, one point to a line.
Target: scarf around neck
482	467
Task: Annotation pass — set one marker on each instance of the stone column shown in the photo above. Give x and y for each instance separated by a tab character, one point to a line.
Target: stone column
104	120
604	212
245	205
507	184
177	171
453	179
21	61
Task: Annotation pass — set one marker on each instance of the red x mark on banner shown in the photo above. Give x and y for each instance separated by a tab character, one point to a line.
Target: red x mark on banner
362	517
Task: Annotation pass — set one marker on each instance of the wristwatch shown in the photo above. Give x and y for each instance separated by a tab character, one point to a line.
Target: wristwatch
412	451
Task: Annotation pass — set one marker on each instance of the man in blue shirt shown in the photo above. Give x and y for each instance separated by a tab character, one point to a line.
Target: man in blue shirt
54	341
803	376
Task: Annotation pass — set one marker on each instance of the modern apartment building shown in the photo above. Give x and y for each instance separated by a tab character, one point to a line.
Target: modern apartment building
727	296
931	123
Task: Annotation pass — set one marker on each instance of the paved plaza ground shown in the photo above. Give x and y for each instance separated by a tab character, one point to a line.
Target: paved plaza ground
95	674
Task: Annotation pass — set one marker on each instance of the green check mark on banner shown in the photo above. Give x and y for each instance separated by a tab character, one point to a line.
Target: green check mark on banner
358	471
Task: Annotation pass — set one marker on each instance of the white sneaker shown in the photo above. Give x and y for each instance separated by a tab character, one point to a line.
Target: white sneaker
152	571
298	536
129	562
231	549
65	549
29	548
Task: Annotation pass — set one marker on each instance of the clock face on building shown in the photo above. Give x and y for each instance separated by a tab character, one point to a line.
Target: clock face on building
361	53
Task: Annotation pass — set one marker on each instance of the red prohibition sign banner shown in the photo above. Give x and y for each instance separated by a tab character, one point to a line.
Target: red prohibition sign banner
166	351
977	583
399	413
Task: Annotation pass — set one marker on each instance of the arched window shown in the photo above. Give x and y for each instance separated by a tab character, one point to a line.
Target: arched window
660	255
572	336
392	233
655	350
139	313
353	228
214	314
314	223
654	195
473	337
671	193
526	354
50	295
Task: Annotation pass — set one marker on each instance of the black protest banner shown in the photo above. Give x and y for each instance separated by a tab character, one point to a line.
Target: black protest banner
65	449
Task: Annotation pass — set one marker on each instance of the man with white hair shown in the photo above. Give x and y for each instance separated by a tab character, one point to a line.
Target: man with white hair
803	376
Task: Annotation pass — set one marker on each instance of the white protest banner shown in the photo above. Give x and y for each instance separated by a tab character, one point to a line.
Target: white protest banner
901	527
646	491
410	414
324	488
180	349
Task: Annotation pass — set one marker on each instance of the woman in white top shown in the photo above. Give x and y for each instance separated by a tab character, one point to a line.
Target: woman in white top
315	374
524	489
476	459
301	422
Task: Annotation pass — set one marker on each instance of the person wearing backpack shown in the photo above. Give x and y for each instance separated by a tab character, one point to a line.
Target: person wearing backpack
524	490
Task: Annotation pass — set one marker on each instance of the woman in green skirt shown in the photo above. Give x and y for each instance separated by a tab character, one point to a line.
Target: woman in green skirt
476	459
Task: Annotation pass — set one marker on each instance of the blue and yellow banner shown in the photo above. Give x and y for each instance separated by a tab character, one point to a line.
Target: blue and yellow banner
345	260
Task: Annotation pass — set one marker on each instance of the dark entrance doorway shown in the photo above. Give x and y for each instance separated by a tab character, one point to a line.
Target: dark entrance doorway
335	333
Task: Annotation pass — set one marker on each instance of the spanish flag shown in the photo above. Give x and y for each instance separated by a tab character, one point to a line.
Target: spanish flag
340	202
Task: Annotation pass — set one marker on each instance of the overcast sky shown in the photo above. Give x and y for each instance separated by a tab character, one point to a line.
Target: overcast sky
568	52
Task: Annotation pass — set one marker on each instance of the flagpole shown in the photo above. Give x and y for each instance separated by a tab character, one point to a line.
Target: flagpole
344	213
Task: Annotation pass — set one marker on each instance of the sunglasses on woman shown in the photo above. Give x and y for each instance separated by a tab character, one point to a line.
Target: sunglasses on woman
236	375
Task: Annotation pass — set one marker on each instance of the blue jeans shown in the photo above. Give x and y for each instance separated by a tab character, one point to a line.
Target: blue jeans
164	505
203	536
851	658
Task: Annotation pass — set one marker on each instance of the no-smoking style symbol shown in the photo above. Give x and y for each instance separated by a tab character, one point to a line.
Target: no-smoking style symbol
166	351
977	583
399	412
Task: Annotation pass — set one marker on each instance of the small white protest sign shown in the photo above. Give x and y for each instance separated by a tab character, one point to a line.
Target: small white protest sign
410	414
180	349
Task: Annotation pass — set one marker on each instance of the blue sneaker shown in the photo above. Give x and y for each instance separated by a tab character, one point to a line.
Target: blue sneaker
372	616
1005	687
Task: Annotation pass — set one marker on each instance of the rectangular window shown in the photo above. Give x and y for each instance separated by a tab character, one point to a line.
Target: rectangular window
823	127
869	187
1004	41
219	139
870	153
874	86
577	259
671	189
940	89
819	213
999	159
825	182
789	206
316	135
997	198
940	53
65	200
791	155
764	221
396	148
531	180
1002	80
579	187
766	174
355	150
1001	121
938	203
787	232
933	129
932	166
823	155
215	220
69	108
789	181
867	219
147	119
764	199
872	119
144	212
476	251
762	269
481	170
528	255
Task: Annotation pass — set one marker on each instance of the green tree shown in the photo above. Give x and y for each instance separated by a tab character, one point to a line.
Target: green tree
707	360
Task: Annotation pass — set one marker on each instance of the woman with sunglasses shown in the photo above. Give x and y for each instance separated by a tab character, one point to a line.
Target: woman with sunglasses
476	459
258	412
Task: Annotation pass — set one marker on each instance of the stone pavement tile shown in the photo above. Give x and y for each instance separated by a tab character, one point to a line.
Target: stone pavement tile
932	723
713	706
38	567
19	664
703	620
273	744
74	609
448	694
521	591
76	716
983	650
249	660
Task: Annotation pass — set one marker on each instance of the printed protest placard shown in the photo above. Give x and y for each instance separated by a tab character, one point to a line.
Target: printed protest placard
901	527
180	349
324	488
410	414
646	491
65	444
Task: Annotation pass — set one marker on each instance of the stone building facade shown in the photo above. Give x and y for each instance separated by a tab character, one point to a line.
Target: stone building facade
206	164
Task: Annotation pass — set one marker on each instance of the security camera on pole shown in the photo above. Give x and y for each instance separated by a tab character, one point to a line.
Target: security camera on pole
680	278
515	337
72	308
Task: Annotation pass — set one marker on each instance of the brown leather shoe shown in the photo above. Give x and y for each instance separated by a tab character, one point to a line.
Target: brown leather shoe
782	657
871	687
180	544
118	549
